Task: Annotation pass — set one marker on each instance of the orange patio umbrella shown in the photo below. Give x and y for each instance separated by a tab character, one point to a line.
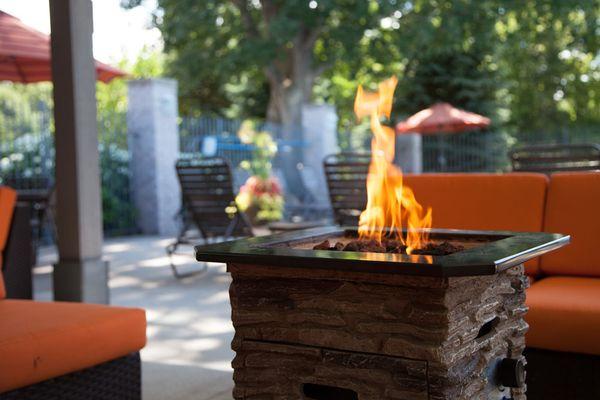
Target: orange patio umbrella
25	54
442	117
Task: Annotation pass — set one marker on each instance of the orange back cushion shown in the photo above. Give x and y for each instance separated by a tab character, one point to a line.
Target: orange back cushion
573	207
513	202
8	198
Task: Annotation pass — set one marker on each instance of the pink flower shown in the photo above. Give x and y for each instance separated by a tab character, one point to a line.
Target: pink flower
257	187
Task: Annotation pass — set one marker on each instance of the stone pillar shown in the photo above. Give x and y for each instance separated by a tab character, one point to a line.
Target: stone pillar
319	126
409	153
154	146
80	274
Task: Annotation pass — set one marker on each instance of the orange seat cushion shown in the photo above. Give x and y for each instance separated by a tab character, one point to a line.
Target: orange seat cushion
39	340
8	198
564	314
513	202
573	207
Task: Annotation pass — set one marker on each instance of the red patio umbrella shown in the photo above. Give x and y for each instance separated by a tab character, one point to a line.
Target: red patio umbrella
25	54
442	117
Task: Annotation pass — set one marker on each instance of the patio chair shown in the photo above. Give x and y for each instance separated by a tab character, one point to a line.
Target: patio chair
208	203
556	157
346	175
66	350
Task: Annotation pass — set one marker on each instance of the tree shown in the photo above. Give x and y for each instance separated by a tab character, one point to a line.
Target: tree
286	45
548	54
530	65
282	45
449	57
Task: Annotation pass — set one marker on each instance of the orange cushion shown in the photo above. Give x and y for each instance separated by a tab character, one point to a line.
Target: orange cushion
40	340
573	207
8	198
513	202
564	314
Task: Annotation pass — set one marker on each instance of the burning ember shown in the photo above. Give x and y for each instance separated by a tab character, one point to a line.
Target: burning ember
390	204
390	246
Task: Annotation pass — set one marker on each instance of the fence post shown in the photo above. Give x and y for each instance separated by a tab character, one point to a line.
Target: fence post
154	146
409	153
319	126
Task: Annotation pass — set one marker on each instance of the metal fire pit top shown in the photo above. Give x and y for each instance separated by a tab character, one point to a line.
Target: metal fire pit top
486	252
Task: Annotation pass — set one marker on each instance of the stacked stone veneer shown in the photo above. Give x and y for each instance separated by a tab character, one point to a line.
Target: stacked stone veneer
384	336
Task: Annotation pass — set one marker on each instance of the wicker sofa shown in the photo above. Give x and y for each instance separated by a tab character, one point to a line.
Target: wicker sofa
59	350
563	341
563	346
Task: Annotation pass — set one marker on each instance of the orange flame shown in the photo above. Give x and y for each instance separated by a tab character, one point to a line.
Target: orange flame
389	202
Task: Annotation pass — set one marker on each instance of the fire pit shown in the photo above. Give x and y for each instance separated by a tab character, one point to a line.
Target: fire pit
380	312
331	324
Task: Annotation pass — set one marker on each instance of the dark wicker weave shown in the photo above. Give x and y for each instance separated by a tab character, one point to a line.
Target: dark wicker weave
558	375
119	379
346	175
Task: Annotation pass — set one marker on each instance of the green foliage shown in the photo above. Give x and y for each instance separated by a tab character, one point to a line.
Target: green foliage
459	78
118	212
261	195
549	56
23	109
223	50
264	148
29	158
530	65
26	140
111	98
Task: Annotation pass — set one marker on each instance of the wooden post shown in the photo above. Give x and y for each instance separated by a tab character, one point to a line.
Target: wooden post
80	274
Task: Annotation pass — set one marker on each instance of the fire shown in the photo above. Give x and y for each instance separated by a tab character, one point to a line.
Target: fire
389	202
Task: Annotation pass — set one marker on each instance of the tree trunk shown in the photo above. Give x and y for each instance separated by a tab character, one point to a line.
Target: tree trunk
291	87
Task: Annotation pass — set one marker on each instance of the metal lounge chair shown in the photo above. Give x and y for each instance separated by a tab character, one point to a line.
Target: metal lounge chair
346	175
208	203
556	157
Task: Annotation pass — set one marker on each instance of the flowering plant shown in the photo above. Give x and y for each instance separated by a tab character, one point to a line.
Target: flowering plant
261	196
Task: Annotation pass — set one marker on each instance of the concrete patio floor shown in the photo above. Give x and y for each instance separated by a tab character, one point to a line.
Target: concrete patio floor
188	354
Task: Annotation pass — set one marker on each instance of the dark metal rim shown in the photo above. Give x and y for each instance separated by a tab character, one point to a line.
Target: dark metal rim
508	249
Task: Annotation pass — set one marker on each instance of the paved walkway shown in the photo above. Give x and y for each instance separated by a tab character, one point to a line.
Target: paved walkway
188	354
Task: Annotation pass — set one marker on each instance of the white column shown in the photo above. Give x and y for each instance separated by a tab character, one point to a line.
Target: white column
80	274
154	146
319	128
409	153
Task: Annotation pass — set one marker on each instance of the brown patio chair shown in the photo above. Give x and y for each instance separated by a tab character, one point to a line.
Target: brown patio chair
556	157
208	203
346	175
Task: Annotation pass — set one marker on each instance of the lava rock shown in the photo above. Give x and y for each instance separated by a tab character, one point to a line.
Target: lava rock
352	246
324	245
339	246
439	249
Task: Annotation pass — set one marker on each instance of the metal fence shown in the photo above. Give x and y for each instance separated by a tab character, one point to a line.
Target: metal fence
216	136
27	152
478	151
483	151
118	210
27	160
219	137
568	135
213	136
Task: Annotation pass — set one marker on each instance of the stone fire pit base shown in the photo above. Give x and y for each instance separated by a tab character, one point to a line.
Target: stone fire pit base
304	333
